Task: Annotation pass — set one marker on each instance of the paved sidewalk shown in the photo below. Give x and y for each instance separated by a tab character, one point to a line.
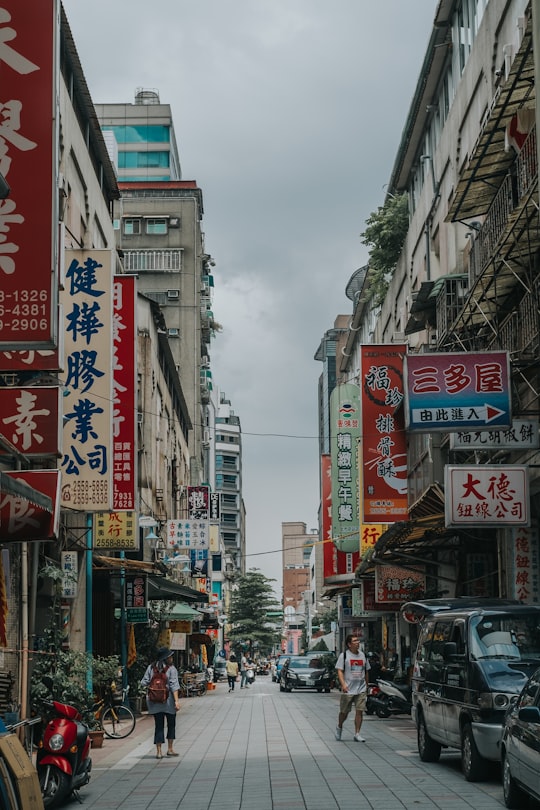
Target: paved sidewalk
260	749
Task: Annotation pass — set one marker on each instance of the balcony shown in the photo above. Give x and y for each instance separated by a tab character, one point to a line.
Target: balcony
159	261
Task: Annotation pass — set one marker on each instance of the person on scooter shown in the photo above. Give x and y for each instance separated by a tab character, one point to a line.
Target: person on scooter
352	669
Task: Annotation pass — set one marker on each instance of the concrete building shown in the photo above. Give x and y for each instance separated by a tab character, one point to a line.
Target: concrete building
466	282
228	484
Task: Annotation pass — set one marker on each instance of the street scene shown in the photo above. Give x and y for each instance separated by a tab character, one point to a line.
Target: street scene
264	750
269	404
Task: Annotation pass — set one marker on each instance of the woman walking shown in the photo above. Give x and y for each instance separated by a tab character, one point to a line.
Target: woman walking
231	668
162	699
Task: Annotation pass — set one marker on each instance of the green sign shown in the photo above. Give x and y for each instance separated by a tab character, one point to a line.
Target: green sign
137	615
345	429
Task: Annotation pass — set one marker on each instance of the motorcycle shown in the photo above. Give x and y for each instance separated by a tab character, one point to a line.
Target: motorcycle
63	760
373	692
392	698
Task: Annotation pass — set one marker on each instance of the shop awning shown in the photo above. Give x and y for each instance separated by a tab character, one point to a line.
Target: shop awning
182	613
163	588
19	489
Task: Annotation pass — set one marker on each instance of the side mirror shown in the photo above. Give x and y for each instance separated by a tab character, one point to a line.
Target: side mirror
529	714
449	650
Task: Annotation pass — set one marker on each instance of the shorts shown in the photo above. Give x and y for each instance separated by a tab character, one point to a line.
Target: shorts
347	701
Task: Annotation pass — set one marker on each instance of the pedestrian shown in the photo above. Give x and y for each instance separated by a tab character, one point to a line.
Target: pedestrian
231	668
352	669
243	672
163	665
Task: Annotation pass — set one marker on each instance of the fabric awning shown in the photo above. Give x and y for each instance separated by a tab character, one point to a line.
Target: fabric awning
18	489
182	613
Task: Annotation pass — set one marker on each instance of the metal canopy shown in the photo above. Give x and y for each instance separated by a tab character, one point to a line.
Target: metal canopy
489	163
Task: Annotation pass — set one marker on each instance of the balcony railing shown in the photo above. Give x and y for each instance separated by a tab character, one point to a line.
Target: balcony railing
514	188
169	261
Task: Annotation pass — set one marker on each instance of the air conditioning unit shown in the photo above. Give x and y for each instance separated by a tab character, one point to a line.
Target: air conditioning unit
205	363
206	436
173	332
174	222
173	295
139	418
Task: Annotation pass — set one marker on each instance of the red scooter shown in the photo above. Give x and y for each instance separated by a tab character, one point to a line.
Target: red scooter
63	761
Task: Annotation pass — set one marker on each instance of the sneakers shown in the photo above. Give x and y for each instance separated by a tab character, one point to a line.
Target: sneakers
338	733
358	738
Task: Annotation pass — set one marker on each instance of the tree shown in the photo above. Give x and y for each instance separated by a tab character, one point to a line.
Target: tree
248	613
385	235
325	619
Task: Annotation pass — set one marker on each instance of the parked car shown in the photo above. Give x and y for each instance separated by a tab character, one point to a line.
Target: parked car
474	655
520	746
305	672
220	673
276	667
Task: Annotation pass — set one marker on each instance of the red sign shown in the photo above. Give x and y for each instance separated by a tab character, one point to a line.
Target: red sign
198	503
124	388
21	520
28	161
30	420
30	360
384	447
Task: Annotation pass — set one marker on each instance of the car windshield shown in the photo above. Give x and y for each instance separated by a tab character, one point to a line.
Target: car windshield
306	663
506	636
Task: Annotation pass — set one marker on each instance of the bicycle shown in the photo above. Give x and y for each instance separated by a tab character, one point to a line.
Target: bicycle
116	719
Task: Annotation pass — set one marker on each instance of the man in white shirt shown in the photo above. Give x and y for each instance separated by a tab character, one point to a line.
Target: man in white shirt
352	669
243	672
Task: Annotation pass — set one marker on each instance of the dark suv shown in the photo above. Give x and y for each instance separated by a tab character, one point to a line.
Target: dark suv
305	672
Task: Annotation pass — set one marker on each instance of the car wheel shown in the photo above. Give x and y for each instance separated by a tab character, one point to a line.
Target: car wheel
472	764
513	795
319	690
428	749
327	690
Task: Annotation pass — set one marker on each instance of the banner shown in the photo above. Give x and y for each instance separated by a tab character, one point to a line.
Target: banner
87	318
30	418
344	435
187	534
116	531
124	457
383	446
29	163
486	495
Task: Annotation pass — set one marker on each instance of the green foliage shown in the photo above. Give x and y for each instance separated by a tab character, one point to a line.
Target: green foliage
386	229
320	646
250	604
325	619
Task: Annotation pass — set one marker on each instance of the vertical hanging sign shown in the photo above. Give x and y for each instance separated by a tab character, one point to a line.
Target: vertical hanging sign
124	388
344	435
384	447
87	315
28	162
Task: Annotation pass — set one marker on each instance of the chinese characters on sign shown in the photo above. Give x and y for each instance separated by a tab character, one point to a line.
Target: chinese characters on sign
21	519
124	388
198	503
397	585
187	534
87	311
487	495
28	160
69	563
344	434
30	419
383	446
526	568
116	530
458	391
522	435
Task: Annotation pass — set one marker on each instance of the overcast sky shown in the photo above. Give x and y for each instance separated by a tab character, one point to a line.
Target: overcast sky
288	114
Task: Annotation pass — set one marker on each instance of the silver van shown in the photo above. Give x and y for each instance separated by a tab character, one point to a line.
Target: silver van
473	658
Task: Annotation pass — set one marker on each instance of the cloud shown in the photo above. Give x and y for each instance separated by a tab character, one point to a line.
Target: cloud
288	114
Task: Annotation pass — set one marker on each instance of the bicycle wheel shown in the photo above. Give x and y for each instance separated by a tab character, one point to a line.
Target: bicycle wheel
118	721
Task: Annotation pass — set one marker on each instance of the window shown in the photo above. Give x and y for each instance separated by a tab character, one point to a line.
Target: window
132	226
156	226
141	133
143	160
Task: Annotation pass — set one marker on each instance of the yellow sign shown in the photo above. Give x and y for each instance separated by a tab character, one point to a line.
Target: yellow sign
369	534
116	531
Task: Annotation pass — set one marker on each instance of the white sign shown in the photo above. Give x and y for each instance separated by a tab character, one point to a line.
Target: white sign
70	567
522	435
486	495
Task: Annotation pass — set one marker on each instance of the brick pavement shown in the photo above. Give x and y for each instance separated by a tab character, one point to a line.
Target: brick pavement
260	749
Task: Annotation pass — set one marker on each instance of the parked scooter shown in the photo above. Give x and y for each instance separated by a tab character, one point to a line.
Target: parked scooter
373	692
393	698
63	761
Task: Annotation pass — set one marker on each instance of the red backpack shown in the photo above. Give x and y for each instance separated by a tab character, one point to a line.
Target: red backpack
158	688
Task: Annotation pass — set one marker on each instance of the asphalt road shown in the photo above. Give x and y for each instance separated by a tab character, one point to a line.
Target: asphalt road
260	749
